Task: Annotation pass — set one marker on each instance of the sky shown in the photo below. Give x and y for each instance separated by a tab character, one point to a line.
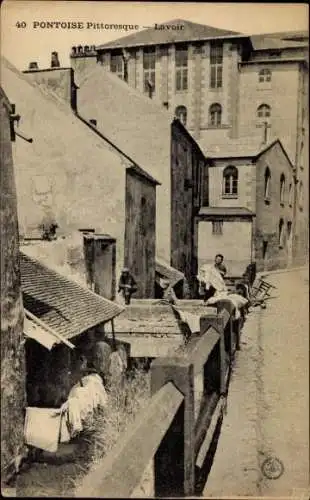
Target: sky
21	42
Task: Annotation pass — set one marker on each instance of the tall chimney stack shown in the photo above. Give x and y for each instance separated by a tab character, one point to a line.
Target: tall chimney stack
55	61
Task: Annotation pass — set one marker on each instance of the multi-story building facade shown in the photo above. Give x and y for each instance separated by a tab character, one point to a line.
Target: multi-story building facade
223	86
250	214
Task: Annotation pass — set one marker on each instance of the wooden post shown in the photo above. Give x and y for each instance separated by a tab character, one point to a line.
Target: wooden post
174	461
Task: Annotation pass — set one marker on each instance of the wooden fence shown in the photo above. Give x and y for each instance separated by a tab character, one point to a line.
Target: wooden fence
169	430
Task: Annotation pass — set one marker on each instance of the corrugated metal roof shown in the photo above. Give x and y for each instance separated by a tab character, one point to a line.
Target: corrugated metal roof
226	211
62	304
151	36
169	272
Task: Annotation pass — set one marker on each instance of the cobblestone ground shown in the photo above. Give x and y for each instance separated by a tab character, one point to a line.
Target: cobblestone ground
268	405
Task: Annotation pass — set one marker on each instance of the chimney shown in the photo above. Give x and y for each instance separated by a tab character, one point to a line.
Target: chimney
33	65
55	61
100	261
93	122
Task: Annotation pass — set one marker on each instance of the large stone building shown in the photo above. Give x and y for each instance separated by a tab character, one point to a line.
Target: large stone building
223	86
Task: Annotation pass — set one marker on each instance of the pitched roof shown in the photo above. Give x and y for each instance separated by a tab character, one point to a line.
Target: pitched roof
136	124
190	32
62	304
87	174
281	40
168	272
251	148
226	211
235	148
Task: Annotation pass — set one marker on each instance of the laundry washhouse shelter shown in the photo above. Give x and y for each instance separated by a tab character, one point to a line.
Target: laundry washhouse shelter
62	320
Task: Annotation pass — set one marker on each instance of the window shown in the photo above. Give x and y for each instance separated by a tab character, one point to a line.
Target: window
264	75
301	196
181	71
230	181
216	66
263	111
149	68
215	115
282	189
267	184
265	246
181	114
217	227
117	64
281	233
290	195
289	230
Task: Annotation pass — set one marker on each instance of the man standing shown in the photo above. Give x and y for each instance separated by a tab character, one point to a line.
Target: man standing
127	285
218	264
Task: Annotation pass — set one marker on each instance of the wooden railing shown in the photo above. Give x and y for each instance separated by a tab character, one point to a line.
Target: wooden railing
168	429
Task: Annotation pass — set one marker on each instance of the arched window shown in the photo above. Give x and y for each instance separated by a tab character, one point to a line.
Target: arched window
290	195
263	111
301	196
267	184
230	181
215	115
264	75
181	114
282	188
281	233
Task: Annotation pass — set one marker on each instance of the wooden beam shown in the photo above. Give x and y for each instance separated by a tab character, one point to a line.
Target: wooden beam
119	473
209	436
48	329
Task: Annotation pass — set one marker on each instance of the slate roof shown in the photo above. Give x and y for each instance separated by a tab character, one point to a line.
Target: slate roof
190	32
226	211
251	148
87	174
62	304
235	148
281	40
168	272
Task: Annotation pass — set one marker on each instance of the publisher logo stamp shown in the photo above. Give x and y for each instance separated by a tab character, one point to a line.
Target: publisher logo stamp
272	468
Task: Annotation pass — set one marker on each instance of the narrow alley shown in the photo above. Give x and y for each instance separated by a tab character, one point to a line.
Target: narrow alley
268	399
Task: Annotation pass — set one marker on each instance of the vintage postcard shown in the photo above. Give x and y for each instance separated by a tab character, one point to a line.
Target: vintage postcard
154	249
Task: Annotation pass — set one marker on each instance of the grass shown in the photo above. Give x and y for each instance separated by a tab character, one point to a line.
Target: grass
126	398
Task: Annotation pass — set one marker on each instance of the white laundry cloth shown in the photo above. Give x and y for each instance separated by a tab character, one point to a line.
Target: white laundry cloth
64	431
42	428
237	300
74	415
94	384
210	276
192	320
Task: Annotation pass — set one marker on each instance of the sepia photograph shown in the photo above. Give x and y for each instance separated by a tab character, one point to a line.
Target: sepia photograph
154	249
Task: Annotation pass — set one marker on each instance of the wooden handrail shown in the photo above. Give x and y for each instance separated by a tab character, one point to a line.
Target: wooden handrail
167	429
118	473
